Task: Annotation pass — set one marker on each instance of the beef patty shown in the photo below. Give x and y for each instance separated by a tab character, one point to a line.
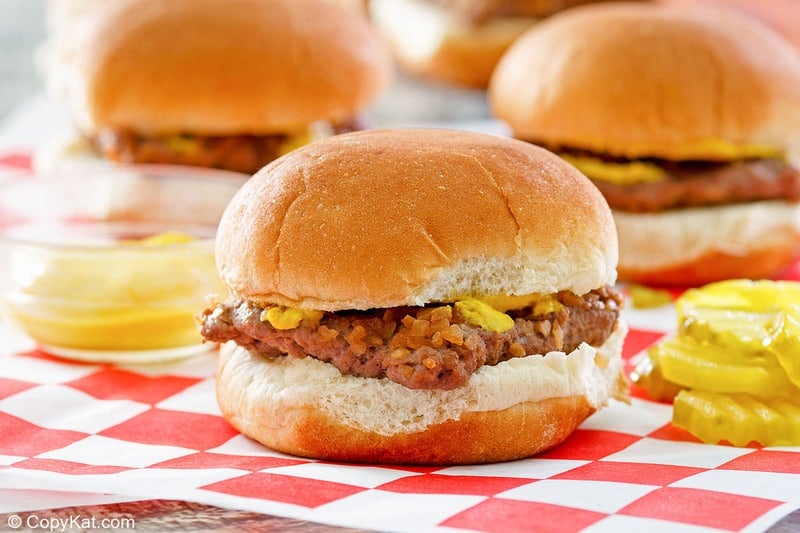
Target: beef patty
697	183
706	184
239	153
430	347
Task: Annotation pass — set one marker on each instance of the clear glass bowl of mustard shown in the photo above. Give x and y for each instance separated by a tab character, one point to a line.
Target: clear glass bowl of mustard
112	264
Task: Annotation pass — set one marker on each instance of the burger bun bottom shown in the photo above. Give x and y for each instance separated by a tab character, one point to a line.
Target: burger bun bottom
512	410
695	246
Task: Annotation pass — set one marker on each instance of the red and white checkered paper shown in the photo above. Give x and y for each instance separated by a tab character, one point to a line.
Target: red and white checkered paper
155	432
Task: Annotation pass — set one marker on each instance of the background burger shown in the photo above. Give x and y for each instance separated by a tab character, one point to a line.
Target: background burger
416	296
686	119
218	83
458	42
782	15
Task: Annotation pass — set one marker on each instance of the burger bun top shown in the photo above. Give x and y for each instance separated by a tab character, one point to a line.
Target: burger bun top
221	67
646	80
385	218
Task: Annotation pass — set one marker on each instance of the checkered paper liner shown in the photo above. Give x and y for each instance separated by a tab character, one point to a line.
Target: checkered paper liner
154	431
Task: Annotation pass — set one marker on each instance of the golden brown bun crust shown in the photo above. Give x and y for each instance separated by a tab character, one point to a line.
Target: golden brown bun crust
512	410
460	60
649	80
384	218
782	15
519	431
695	246
472	36
441	44
716	266
222	67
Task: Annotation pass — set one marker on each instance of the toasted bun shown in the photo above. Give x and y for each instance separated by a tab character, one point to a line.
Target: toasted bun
515	409
433	43
647	80
385	218
752	240
223	66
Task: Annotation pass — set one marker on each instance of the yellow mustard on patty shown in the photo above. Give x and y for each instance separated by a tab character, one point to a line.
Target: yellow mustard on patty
289	317
629	173
541	304
485	316
637	171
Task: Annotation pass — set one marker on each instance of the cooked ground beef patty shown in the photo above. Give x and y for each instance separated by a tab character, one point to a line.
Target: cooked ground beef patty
418	347
696	183
239	153
706	184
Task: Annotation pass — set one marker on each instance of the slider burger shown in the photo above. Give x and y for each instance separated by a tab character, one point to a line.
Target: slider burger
416	296
458	42
229	84
684	118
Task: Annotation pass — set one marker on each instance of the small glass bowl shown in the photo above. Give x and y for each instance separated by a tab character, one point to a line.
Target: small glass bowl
113	264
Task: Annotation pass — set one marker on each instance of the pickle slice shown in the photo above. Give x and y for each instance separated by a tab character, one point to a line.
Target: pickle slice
647	375
738	353
738	418
699	365
737	314
647	297
786	343
745	315
762	296
737	330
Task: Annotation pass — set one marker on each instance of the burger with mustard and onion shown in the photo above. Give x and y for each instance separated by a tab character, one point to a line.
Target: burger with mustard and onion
416	296
687	121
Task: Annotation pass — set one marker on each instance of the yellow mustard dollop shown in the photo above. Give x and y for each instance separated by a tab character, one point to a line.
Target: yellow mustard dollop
629	173
725	150
289	317
504	302
485	316
541	304
633	172
546	305
183	144
295	141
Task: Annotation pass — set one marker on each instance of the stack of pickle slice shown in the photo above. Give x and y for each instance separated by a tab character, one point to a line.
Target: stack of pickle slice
734	363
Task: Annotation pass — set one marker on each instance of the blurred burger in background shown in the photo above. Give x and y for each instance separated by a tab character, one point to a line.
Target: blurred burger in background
685	119
458	42
229	84
781	15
